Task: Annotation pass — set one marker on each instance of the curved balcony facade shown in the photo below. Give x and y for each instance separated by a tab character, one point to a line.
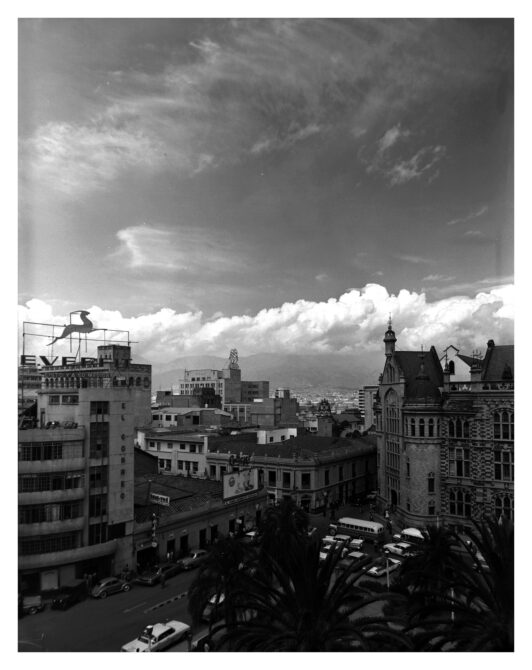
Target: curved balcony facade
50	527
57	558
43	497
57	465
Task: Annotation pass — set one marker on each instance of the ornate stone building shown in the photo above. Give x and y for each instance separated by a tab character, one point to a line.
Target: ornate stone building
445	444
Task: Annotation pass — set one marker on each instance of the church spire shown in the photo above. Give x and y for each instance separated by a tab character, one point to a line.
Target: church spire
389	339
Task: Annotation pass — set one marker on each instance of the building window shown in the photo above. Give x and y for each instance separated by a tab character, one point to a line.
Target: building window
99	439
431	428
504	506
430	482
305	480
54	400
100	407
272	477
327	481
180	465
459	463
503	461
460	503
503	425
432	508
168	417
412	427
192	449
354	470
340	474
422	428
407	467
286	480
212	471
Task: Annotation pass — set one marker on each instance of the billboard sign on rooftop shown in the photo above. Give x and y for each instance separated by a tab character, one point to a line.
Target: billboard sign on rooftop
240	483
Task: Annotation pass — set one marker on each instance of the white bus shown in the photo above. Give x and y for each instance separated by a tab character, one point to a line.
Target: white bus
357	528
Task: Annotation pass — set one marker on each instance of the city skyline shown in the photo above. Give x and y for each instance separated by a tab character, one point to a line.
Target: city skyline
275	185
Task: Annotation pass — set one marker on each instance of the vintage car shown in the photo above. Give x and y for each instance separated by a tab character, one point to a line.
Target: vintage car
158	636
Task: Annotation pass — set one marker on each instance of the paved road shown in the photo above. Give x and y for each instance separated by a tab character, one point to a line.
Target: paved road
105	625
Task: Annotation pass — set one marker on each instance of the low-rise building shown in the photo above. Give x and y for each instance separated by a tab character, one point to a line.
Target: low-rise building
314	471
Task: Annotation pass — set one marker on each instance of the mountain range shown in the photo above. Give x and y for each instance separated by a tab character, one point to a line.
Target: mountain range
293	371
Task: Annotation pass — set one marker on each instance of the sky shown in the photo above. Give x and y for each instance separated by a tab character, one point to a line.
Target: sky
268	184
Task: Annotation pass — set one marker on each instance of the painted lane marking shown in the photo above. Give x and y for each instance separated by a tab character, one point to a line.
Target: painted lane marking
135	606
166	602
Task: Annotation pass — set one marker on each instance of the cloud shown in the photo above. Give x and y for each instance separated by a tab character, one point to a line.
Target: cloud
469	217
246	87
353	323
413	259
323	276
393	158
416	166
390	138
179	249
438	278
79	158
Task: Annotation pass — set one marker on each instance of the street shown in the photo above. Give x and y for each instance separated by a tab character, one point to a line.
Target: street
105	625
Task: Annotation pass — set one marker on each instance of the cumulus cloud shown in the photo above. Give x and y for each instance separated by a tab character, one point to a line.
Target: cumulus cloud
352	323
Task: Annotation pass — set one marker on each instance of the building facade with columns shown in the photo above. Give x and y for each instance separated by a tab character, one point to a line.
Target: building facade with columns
445	442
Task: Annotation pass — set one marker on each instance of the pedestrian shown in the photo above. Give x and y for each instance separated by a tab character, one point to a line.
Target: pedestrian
163	580
371	516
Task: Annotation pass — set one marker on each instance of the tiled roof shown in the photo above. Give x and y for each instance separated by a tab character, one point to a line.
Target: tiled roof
410	364
498	363
301	446
185	493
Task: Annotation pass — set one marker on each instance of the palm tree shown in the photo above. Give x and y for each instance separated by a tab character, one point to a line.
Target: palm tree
219	575
283	528
474	609
301	605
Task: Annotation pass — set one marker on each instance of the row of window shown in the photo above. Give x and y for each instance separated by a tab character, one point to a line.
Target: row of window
188	466
96	381
49	543
51	512
190	448
503	425
49	451
63	400
57	481
459	459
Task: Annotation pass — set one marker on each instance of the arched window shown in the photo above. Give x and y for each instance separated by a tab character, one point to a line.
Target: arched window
451	428
459	428
431	427
466	428
413	427
138	381
391	413
422	428
451	367
504	506
430	482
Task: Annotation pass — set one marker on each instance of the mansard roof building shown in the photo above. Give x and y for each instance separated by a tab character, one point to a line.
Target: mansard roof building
445	439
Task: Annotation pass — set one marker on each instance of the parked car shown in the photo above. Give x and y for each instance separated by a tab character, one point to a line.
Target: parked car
355	544
153	576
31	605
148	577
379	568
251	537
69	595
194	559
203	642
158	636
109	585
354	560
399	548
213	610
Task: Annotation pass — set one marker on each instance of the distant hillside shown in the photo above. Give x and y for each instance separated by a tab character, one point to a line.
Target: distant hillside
284	370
